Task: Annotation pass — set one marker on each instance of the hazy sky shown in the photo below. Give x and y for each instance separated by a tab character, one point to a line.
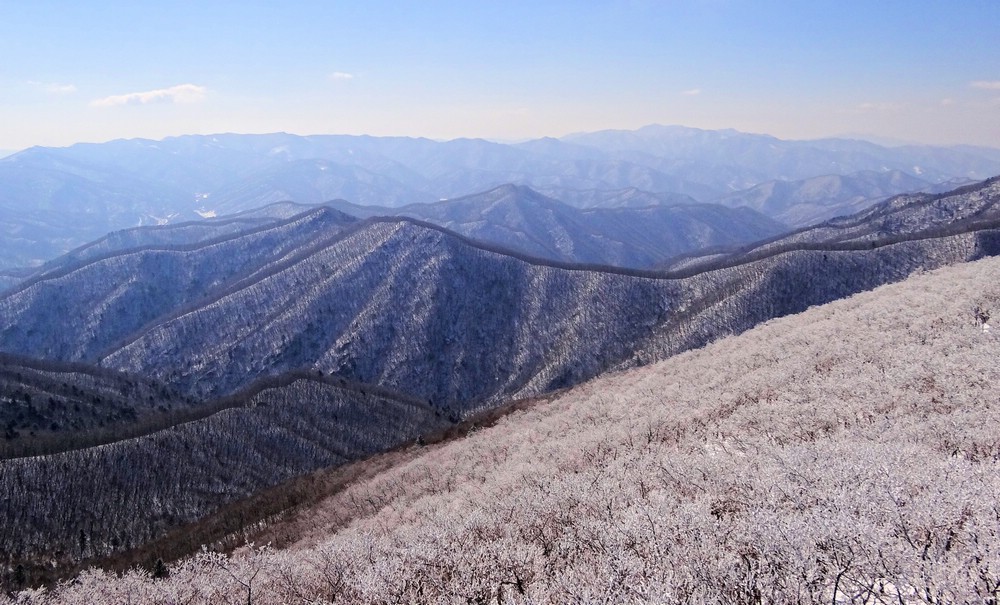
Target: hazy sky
916	70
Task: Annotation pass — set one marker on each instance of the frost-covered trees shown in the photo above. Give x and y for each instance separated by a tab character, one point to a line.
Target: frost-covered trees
845	455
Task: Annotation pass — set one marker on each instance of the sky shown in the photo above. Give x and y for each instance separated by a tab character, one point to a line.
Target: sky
914	71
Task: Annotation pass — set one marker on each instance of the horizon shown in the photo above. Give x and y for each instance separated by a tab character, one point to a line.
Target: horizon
919	72
873	139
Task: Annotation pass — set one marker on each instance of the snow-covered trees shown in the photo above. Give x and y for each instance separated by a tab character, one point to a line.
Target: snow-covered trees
845	455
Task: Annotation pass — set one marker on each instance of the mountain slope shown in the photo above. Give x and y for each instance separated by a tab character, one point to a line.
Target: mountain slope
77	310
421	310
220	452
48	406
843	455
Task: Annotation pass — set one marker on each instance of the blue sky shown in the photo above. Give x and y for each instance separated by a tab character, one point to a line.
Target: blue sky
99	70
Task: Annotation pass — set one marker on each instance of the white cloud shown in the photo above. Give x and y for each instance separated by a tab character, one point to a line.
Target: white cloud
947	102
341	75
986	84
54	87
691	92
182	93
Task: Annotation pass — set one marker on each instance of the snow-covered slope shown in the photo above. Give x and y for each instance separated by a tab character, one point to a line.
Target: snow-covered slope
845	455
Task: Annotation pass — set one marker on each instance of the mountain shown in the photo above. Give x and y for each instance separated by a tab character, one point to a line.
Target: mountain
813	200
843	454
178	234
104	299
312	182
185	233
523	220
314	341
745	160
54	200
49	205
422	310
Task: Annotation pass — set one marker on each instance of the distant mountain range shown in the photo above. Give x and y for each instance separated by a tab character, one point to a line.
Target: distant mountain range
54	200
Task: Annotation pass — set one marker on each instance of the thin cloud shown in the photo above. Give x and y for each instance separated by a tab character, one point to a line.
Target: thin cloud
341	76
55	88
182	93
691	92
986	84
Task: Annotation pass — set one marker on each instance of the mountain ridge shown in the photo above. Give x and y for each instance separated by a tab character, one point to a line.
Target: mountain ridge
141	181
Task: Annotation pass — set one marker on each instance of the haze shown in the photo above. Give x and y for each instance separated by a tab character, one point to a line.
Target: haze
921	71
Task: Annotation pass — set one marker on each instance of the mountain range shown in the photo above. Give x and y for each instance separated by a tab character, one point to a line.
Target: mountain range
293	344
53	200
905	216
853	423
325	291
225	355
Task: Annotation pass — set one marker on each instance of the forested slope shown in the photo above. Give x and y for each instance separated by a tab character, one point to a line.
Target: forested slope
51	406
417	309
118	496
79	309
843	455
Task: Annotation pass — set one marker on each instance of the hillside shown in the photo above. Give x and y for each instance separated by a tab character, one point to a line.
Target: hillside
178	234
191	464
842	455
78	309
48	406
